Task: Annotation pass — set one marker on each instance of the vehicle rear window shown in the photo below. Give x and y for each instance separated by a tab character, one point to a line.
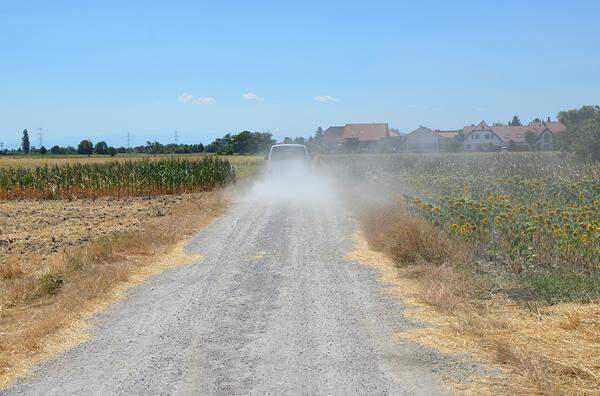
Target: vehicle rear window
287	153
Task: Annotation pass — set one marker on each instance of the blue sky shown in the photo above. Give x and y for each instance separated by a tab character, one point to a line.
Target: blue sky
97	69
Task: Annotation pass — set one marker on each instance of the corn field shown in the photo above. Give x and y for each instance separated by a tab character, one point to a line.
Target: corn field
126	178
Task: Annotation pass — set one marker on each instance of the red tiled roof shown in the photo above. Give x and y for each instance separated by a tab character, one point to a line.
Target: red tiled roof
555	126
468	129
437	132
507	133
422	129
447	134
366	132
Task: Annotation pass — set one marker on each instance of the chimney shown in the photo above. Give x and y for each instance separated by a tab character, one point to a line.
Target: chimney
548	118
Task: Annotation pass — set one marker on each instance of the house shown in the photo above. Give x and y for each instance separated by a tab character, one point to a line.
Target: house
547	134
422	140
425	140
366	136
358	136
482	137
366	132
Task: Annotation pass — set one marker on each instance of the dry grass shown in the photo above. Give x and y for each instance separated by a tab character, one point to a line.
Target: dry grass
40	300
543	350
408	239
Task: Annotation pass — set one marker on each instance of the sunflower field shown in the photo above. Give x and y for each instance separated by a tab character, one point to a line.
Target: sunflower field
535	214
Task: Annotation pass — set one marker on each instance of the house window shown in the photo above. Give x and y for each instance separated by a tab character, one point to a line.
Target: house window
476	136
546	138
472	137
487	135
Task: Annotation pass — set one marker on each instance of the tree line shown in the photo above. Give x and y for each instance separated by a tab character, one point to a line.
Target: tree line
87	147
582	137
245	142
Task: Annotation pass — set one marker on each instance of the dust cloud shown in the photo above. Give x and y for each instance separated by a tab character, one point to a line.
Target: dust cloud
298	183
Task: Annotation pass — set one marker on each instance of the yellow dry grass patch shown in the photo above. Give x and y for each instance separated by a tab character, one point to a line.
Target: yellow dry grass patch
258	256
73	330
555	350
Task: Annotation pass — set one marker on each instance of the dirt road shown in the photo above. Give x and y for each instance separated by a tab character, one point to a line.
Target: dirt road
273	308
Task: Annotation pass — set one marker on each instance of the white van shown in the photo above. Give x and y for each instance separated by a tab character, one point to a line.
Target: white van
285	156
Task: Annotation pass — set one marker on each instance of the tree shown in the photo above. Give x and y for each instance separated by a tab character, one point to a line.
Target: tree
578	116
319	136
531	138
265	141
85	147
56	150
154	147
287	140
69	150
582	135
515	122
101	148
43	150
587	144
111	151
25	142
537	119
221	145
299	140
244	143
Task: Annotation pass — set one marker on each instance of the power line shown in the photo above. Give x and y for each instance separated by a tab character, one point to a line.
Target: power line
176	137
40	140
128	141
1	145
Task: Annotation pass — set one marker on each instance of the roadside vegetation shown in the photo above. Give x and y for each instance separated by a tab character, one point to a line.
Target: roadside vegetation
502	248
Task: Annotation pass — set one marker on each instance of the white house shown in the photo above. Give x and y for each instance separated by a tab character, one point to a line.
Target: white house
425	140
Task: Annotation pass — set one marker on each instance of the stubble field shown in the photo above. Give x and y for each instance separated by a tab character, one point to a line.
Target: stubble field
45	227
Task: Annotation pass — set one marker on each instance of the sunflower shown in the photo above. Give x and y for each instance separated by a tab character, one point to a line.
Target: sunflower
558	232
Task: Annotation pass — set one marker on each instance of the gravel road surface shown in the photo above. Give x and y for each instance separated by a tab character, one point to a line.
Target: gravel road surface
274	308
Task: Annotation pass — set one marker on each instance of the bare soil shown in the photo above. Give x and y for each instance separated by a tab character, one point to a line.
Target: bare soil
43	228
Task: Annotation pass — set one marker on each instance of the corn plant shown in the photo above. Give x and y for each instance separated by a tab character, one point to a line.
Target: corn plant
126	178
